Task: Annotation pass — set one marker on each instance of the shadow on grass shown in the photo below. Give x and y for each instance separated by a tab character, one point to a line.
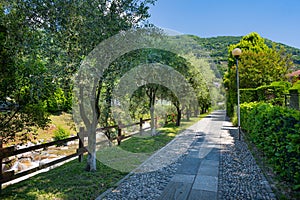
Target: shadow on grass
166	134
68	181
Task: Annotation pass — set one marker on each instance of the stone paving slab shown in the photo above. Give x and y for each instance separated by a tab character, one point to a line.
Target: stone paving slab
200	166
183	178
177	191
207	183
189	166
202	194
208	170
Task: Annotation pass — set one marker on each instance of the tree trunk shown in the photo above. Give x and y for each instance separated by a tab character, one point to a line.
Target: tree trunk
151	92
91	161
90	125
196	112
188	113
178	119
152	124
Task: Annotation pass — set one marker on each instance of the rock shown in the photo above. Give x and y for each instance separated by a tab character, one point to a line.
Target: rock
36	156
25	155
64	148
52	156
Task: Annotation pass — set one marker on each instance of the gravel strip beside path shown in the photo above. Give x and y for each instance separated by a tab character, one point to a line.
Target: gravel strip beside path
239	175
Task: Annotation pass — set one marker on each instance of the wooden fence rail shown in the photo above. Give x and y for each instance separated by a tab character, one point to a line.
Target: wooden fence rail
12	151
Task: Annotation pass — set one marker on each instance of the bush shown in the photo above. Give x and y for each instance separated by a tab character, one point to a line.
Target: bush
61	134
273	93
296	86
248	95
58	102
276	131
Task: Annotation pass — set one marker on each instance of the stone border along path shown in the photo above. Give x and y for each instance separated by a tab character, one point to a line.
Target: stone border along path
206	161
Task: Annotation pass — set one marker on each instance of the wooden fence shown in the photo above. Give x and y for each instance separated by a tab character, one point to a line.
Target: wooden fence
13	151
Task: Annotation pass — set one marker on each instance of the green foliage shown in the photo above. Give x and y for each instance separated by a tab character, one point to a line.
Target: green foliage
259	65
58	102
38	56
248	95
296	86
274	93
61	134
271	94
218	48
276	131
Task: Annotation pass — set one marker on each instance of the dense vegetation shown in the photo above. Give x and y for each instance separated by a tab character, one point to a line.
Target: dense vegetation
259	65
268	123
218	48
275	131
42	45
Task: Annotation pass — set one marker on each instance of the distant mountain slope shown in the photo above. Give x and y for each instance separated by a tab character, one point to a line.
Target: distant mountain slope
219	51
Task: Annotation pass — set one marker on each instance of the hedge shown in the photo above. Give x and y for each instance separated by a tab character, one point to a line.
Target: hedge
274	93
276	131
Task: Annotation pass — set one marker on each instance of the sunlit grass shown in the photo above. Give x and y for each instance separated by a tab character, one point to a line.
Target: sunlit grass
151	144
71	181
64	120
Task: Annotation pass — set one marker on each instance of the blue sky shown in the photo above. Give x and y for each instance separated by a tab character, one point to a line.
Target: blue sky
278	20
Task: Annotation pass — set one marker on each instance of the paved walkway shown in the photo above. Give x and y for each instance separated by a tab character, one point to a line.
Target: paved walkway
197	177
209	148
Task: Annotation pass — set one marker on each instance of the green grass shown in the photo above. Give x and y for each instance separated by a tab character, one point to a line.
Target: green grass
151	144
71	181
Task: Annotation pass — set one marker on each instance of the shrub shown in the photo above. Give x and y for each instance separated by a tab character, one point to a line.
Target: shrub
296	86
273	94
61	134
59	101
248	95
276	131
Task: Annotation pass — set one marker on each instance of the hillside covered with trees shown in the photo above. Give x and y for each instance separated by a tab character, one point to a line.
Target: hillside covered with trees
218	48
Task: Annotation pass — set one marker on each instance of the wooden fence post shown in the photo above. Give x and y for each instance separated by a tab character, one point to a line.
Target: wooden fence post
81	142
166	120
141	125
119	138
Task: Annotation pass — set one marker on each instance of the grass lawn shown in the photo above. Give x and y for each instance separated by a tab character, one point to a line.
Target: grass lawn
154	143
70	181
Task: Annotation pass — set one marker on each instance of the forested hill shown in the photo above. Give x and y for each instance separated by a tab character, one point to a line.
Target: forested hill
219	52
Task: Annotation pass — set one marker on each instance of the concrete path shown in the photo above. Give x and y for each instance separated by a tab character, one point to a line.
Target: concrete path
197	177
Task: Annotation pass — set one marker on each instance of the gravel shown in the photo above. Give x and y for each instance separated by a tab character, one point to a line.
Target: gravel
143	186
239	175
